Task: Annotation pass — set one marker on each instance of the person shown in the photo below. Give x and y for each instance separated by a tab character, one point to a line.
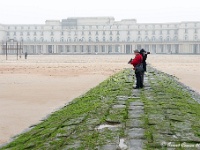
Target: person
144	55
26	55
135	62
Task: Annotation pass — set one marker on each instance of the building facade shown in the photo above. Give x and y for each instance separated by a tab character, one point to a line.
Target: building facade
102	35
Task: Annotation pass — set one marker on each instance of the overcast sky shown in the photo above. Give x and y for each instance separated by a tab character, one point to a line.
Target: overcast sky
145	11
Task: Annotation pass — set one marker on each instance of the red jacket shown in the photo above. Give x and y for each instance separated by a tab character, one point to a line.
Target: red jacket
137	60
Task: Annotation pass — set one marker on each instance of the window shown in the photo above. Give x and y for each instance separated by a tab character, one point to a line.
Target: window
62	33
35	39
22	28
97	33
146	32
15	28
28	28
175	38
110	32
96	49
52	39
41	39
111	39
186	31
139	39
90	39
35	33
14	33
62	39
35	28
160	31
97	39
146	39
153	32
42	33
175	31
128	33
195	37
89	33
161	38
168	39
104	39
153	38
51	33
117	32
21	33
52	27
118	39
97	27
139	32
104	33
75	39
195	31
28	33
82	32
8	28
83	39
128	39
186	38
168	31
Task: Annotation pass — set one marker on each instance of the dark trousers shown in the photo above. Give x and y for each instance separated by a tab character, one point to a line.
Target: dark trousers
139	79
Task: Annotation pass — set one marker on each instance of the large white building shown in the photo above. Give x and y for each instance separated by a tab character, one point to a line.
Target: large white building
102	35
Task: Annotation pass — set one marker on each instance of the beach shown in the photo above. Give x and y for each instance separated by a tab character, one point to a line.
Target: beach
31	89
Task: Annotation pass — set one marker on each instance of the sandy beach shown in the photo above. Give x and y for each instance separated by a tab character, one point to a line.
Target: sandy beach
31	89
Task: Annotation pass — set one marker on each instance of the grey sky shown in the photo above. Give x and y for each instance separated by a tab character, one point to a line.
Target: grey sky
37	11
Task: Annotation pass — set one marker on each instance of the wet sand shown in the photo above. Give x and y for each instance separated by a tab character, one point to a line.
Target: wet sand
31	89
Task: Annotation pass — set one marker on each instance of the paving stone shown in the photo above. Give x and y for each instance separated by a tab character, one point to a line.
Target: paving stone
136	104
122	98
133	115
136	107
134	123
154	119
109	147
118	102
135	144
159	138
119	107
76	145
189	137
135	133
182	126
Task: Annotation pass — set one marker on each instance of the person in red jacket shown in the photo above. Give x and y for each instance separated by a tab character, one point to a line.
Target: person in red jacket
139	75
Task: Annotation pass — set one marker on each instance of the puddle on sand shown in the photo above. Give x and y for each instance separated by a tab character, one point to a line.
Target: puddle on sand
122	144
106	126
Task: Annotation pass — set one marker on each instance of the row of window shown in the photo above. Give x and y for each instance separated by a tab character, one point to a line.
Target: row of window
139	39
104	32
104	27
